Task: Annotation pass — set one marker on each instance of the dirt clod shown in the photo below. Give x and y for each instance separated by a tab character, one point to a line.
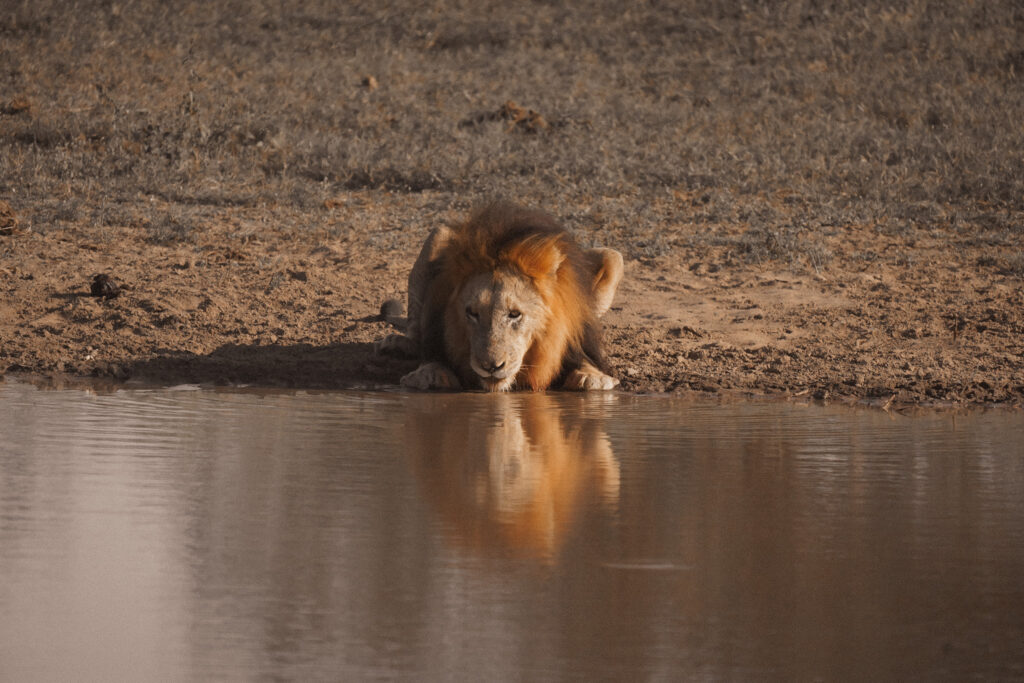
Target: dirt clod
8	219
519	118
104	286
18	105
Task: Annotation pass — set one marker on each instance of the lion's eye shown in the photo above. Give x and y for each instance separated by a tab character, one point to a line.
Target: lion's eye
514	315
471	314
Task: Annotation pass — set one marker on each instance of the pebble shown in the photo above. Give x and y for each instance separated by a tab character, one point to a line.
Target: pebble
104	286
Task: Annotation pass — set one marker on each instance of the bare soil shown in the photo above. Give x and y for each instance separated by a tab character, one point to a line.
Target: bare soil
826	205
253	302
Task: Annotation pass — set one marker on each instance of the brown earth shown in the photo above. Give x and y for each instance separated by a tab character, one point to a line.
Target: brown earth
813	201
278	298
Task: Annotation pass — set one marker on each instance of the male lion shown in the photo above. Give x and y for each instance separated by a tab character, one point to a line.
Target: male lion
507	300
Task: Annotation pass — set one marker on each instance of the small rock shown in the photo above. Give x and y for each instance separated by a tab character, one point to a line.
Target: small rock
104	286
370	83
18	105
686	330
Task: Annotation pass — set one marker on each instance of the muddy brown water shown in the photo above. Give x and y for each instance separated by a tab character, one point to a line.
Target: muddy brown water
199	534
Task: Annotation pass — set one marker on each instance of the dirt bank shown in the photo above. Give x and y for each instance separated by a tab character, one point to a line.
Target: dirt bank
279	298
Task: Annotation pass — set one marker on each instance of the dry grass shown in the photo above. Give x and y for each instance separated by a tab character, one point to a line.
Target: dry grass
766	126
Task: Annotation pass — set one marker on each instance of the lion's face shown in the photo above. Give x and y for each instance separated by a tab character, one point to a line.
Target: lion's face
503	313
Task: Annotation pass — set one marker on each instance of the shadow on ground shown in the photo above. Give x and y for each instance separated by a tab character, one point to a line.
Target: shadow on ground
296	365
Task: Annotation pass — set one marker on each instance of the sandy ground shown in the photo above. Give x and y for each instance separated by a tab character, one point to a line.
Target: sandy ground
284	297
820	202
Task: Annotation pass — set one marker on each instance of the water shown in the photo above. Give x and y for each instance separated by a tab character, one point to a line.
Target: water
190	534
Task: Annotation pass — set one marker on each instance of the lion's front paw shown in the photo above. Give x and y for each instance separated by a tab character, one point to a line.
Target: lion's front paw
590	379
431	376
396	345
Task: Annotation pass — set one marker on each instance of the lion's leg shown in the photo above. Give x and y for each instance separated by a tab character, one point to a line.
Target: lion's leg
588	378
419	280
431	376
607	267
419	277
397	345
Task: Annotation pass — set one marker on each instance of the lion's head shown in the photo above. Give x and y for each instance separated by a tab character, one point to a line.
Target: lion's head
519	302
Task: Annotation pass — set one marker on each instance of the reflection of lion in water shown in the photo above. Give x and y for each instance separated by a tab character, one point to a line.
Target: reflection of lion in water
505	300
511	474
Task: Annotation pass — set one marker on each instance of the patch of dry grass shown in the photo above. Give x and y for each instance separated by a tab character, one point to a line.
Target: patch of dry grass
663	121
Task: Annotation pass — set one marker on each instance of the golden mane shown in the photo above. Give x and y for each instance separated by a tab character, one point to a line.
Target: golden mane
501	237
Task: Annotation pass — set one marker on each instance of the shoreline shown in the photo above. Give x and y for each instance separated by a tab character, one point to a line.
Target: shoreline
105	385
298	304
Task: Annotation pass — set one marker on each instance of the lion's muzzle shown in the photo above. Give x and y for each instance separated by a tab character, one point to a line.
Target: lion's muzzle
493	369
495	375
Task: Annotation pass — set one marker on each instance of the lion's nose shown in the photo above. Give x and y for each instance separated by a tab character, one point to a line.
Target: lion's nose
493	367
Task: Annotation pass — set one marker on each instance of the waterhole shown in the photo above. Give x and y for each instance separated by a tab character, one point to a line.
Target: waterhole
201	534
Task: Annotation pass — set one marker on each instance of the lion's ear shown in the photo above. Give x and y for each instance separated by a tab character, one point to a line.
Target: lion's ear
437	240
557	259
607	267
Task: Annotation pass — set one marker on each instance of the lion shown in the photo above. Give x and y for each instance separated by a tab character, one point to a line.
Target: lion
507	300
